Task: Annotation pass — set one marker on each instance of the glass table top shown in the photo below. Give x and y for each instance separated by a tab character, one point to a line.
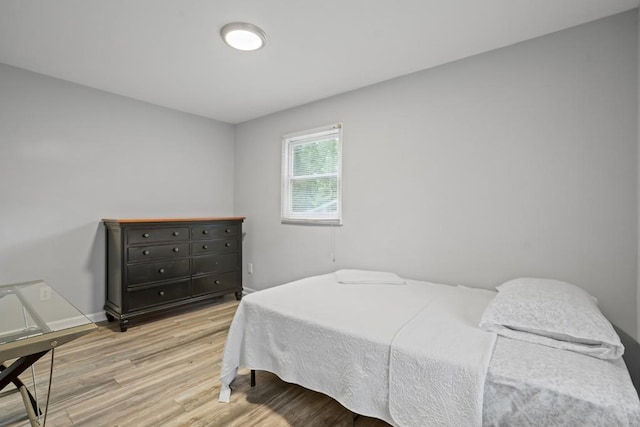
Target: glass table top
33	312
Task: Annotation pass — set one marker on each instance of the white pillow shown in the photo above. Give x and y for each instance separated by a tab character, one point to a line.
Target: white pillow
552	313
366	277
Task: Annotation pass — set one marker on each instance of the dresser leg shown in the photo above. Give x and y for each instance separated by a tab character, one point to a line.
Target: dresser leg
110	318
239	295
124	324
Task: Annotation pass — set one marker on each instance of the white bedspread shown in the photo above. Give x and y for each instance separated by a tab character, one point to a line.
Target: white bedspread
439	361
334	339
534	385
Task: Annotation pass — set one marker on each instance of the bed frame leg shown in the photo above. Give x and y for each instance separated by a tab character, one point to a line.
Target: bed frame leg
355	417
253	378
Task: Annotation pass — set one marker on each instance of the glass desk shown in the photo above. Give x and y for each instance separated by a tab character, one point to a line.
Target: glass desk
34	319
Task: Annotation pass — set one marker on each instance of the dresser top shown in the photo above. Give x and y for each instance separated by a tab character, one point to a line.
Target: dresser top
136	220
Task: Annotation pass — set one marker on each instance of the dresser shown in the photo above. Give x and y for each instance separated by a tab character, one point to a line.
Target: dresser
154	265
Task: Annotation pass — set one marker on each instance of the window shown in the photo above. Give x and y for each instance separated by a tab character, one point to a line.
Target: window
312	176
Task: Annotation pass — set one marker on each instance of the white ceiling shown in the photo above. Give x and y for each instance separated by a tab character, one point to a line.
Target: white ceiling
169	53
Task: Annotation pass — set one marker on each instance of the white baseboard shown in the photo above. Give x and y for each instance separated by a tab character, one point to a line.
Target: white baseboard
248	290
97	317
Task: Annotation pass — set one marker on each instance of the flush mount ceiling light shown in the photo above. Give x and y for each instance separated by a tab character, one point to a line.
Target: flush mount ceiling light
243	36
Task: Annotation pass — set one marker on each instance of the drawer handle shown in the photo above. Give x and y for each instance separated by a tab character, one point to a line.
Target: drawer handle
205	247
145	235
176	249
227	244
175	233
145	252
161	293
205	231
228	230
217	282
161	271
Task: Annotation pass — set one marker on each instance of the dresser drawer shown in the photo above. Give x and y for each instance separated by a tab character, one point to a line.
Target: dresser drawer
217	283
147	253
204	232
156	295
214	246
145	235
215	263
152	271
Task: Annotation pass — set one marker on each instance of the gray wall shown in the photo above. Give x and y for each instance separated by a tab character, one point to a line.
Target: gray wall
71	155
517	162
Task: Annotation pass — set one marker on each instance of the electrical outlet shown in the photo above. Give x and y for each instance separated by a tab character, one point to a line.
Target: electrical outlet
45	293
250	268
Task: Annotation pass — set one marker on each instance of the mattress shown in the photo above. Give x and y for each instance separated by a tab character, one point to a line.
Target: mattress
350	328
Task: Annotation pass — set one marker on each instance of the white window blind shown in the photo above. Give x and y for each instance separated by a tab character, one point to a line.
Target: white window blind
312	176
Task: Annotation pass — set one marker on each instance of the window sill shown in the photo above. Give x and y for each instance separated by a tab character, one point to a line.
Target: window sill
321	222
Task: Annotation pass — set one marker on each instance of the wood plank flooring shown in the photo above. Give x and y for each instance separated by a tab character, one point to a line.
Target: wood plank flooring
164	372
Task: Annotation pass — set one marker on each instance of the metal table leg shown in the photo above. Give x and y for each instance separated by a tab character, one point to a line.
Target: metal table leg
10	375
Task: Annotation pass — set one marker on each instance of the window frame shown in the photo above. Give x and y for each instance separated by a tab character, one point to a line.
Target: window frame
291	140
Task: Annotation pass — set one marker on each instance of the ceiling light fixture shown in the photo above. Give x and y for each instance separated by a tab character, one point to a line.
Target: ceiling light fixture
243	36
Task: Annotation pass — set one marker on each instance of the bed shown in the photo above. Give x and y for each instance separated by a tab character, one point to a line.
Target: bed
411	353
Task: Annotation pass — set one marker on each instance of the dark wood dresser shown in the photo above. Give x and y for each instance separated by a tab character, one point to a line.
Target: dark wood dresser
154	265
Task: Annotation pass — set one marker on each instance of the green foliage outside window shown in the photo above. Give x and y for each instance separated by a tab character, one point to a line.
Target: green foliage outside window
315	176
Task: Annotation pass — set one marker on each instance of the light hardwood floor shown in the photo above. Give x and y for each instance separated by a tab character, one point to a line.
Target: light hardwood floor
164	372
